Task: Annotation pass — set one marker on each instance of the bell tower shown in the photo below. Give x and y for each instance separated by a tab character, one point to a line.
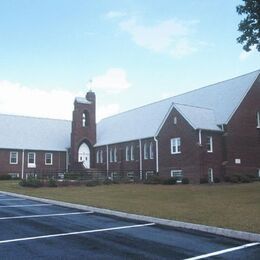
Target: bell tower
83	134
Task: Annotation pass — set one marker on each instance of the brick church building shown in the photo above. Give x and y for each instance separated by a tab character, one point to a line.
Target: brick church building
205	133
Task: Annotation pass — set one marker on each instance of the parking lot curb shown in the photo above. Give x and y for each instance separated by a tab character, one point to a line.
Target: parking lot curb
166	222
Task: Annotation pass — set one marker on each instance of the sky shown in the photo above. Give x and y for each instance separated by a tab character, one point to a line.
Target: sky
129	52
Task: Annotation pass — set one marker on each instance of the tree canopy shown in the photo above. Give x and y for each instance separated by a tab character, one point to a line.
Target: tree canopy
250	25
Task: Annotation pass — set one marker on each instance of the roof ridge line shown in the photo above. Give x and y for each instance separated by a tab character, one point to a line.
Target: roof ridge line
34	117
162	100
187	105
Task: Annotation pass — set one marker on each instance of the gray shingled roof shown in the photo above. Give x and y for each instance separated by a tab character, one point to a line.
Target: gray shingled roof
19	132
215	106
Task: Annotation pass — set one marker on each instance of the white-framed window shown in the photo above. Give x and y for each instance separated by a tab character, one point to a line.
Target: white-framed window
97	157
111	155
130	176
13	157
151	151
176	145
115	155
177	174
132	156
31	160
127	153
175	120
48	158
146	151
101	156
258	119
209	144
258	173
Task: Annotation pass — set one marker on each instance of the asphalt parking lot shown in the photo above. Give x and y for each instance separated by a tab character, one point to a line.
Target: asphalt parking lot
29	230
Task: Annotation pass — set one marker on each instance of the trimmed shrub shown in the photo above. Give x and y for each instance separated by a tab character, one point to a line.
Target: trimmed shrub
5	177
216	180
203	180
92	183
31	182
245	179
107	181
153	180
234	179
185	180
52	183
169	181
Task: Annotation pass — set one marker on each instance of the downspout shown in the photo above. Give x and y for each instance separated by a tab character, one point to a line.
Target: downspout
22	163
157	154
107	162
67	161
141	162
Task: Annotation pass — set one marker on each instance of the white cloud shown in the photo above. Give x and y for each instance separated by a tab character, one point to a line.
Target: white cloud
169	36
107	110
115	14
21	100
244	55
114	80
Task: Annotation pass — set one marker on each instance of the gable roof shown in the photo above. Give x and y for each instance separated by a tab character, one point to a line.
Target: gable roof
204	108
20	132
198	117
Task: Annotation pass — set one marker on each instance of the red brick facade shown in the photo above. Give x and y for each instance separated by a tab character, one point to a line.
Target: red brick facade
235	147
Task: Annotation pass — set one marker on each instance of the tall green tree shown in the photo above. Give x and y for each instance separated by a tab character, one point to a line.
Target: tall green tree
250	25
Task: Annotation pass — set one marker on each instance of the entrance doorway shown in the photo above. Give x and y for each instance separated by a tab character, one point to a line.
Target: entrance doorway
84	155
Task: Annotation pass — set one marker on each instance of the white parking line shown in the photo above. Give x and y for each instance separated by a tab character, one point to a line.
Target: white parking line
47	215
10	199
223	251
28	205
74	233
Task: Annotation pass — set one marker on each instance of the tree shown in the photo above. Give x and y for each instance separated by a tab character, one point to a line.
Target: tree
250	25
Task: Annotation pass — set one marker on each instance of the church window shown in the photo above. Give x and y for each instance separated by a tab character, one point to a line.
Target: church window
132	153
115	155
13	157
151	151
31	160
85	119
146	151
48	158
176	145
127	158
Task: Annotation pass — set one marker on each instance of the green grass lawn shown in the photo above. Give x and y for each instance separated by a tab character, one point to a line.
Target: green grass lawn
234	206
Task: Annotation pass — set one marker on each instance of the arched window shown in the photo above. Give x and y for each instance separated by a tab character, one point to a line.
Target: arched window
132	153
85	119
115	155
151	151
97	157
146	151
127	153
101	157
111	159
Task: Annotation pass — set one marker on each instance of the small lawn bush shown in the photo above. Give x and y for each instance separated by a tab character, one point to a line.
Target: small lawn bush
203	180
185	180
92	183
216	180
5	177
31	182
52	183
153	180
169	181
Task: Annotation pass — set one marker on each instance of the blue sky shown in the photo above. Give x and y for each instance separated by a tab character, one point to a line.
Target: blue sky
135	52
